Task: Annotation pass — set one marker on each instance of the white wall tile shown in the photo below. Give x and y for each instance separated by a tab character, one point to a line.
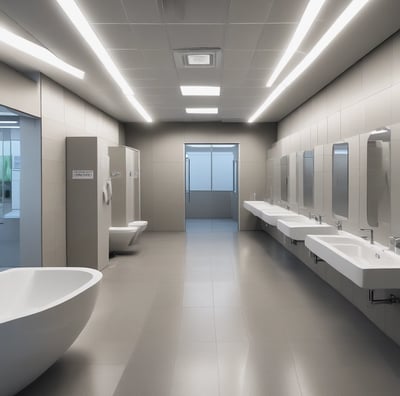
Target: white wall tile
377	69
378	110
323	131
396	59
351	86
352	120
395	103
334	133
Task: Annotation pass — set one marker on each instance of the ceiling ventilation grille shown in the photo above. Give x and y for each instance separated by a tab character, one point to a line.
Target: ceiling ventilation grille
198	58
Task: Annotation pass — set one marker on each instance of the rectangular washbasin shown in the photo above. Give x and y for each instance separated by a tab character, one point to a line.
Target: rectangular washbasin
297	228
368	266
271	216
254	206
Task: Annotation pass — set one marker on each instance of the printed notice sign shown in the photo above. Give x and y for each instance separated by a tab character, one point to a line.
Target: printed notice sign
79	174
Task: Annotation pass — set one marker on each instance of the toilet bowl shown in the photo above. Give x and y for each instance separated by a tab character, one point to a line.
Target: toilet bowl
122	239
141	224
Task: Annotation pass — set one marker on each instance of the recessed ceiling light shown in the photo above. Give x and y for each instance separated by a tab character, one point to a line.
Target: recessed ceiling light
200	90
82	25
38	52
9	127
199	59
341	22
202	110
8	122
310	14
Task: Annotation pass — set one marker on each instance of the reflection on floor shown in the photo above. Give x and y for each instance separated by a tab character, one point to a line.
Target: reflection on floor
221	313
211	225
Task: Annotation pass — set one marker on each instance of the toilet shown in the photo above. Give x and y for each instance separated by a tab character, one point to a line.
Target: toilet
141	224
122	239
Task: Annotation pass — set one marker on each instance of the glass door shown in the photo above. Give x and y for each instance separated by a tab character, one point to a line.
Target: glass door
211	181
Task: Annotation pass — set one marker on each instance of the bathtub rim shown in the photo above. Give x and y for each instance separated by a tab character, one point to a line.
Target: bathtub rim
95	279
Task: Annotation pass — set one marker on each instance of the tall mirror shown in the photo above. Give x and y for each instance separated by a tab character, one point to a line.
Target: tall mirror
308	179
284	177
378	177
340	180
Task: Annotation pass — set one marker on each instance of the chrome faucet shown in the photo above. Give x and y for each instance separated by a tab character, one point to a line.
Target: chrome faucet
371	235
394	244
339	225
316	217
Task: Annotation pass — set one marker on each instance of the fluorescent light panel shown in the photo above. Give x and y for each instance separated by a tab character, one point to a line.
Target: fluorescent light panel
8	122
202	110
9	127
199	59
310	14
200	90
341	22
38	52
82	25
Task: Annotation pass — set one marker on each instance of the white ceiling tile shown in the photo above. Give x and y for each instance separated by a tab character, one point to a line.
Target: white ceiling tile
158	59
206	76
244	91
194	36
195	11
142	11
240	59
257	74
171	92
127	59
276	36
103	11
114	36
161	75
233	77
243	36
265	59
150	37
249	10
287	10
245	102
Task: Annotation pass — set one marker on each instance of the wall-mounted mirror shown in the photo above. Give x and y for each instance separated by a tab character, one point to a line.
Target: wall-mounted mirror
284	177
378	177
308	179
340	180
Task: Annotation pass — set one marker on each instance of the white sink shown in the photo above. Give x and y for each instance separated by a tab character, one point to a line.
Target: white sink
368	266
254	206
297	228
271	216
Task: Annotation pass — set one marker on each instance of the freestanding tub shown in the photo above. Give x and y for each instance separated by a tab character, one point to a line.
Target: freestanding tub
42	311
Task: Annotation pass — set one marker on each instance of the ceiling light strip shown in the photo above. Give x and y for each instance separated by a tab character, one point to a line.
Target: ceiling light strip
43	54
201	110
347	15
310	14
200	90
82	25
8	122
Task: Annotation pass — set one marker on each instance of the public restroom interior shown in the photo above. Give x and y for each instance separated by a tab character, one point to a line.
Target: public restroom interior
212	299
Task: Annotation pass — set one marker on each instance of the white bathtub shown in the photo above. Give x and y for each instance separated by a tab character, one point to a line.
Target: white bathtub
42	311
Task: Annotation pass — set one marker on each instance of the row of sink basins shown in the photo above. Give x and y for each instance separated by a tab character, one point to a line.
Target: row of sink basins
368	265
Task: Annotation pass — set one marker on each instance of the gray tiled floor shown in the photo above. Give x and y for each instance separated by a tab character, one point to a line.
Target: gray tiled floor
215	312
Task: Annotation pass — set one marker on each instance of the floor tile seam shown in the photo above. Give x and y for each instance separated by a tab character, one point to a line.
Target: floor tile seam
216	339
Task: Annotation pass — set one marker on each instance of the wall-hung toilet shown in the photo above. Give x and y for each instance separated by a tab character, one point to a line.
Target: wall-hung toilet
122	239
125	176
140	224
